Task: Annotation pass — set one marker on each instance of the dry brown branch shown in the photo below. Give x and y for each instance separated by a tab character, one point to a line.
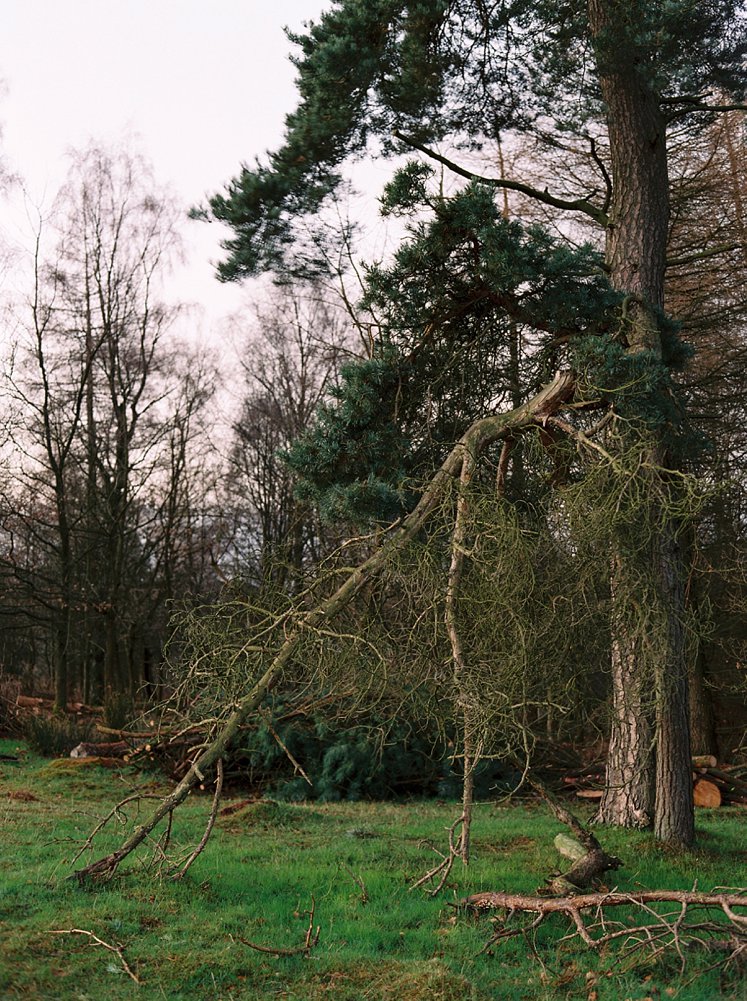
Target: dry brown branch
116	949
443	868
311	940
658	932
211	821
358	882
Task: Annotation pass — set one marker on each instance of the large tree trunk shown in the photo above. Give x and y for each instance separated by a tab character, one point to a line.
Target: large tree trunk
628	799
674	819
635	253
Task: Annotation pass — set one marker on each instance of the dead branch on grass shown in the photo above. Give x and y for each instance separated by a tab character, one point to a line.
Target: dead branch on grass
358	882
671	931
294	625
310	941
211	821
116	949
443	869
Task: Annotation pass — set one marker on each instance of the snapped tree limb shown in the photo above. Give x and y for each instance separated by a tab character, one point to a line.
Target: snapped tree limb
482	433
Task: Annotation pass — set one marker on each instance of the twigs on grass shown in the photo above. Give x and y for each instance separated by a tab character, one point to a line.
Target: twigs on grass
443	869
310	941
358	882
116	949
211	821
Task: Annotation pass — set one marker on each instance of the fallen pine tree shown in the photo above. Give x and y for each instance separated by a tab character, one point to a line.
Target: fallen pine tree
288	631
296	624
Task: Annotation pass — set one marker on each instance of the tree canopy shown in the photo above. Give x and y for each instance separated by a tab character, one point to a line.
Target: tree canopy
394	75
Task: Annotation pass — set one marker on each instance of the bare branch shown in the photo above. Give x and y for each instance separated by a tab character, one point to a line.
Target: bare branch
211	821
312	938
116	949
576	205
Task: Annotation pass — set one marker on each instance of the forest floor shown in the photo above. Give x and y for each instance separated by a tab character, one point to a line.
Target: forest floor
265	864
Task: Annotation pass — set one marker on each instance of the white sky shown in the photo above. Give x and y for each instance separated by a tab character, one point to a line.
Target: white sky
200	87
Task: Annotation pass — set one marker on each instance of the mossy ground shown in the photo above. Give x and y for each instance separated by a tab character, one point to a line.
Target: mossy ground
259	873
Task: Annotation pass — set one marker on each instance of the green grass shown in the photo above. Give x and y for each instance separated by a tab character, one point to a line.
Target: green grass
256	880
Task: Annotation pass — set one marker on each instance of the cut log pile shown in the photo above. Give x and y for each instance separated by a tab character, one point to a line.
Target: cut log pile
714	784
44	706
173	752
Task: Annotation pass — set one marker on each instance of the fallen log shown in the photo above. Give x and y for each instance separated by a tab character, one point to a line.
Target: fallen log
731	782
490	901
705	761
113	749
658	931
590	793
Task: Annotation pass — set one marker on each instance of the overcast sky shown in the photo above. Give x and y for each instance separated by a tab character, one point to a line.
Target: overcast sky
200	87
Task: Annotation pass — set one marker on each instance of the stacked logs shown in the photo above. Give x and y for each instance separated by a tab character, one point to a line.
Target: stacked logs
718	785
714	784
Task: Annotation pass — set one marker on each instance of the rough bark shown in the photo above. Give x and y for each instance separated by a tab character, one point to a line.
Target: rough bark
628	798
636	242
674	820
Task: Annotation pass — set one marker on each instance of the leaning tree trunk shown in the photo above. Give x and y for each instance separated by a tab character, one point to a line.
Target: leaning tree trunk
636	253
479	436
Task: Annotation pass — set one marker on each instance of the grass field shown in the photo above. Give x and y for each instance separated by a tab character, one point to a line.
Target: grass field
259	873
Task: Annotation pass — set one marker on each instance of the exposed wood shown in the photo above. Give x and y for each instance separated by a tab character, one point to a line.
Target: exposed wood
568	847
704	761
706	793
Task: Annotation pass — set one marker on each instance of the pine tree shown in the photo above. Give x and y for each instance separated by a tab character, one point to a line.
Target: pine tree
607	75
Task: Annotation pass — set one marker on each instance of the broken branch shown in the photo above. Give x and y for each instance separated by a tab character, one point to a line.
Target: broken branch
116	949
311	940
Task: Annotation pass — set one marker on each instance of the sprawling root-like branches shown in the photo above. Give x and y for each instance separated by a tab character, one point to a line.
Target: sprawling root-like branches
674	930
475	439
